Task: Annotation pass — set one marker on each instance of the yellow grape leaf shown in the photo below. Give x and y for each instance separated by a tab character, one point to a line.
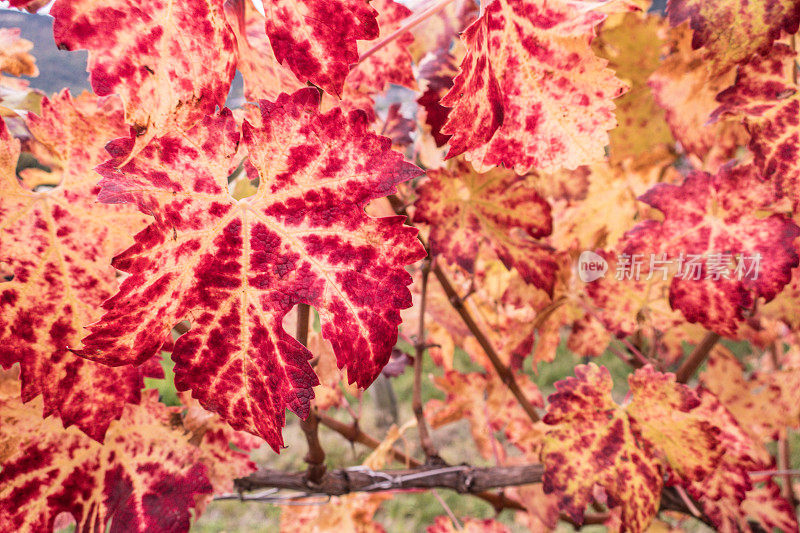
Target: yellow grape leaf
632	43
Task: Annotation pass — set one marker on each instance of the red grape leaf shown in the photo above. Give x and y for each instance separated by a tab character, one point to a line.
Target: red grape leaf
624	450
235	268
531	92
146	477
58	244
468	210
730	31
171	62
716	214
391	63
591	442
263	76
765	95
15	57
317	38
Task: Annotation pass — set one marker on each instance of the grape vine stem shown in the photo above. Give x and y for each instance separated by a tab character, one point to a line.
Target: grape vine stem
315	458
696	358
505	373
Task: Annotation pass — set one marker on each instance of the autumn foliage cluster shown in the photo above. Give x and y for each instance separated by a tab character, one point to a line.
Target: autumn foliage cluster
448	175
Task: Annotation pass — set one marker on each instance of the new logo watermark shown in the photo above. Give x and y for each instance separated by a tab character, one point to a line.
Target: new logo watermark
591	267
712	266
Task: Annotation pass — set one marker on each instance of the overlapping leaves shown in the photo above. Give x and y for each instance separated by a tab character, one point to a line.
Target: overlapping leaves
235	268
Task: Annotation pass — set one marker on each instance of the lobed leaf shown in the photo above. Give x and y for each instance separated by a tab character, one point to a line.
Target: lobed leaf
531	92
58	245
234	268
171	62
146	477
468	210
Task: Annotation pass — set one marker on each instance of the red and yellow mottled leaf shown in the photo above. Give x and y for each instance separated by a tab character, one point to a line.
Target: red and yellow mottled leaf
730	31
263	76
716	215
686	90
468	210
15	57
391	63
235	268
146	477
443	524
768	100
58	246
727	495
531	92
754	402
592	442
170	62
632	43
664	411
317	38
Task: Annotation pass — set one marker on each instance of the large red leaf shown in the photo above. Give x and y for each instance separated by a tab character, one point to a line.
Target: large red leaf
531	92
711	215
317	38
58	245
235	268
171	62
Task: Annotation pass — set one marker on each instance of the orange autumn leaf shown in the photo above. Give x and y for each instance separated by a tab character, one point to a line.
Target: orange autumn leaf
15	57
632	43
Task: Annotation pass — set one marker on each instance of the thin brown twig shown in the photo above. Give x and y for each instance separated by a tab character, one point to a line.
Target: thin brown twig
315	458
505	373
431	455
696	358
